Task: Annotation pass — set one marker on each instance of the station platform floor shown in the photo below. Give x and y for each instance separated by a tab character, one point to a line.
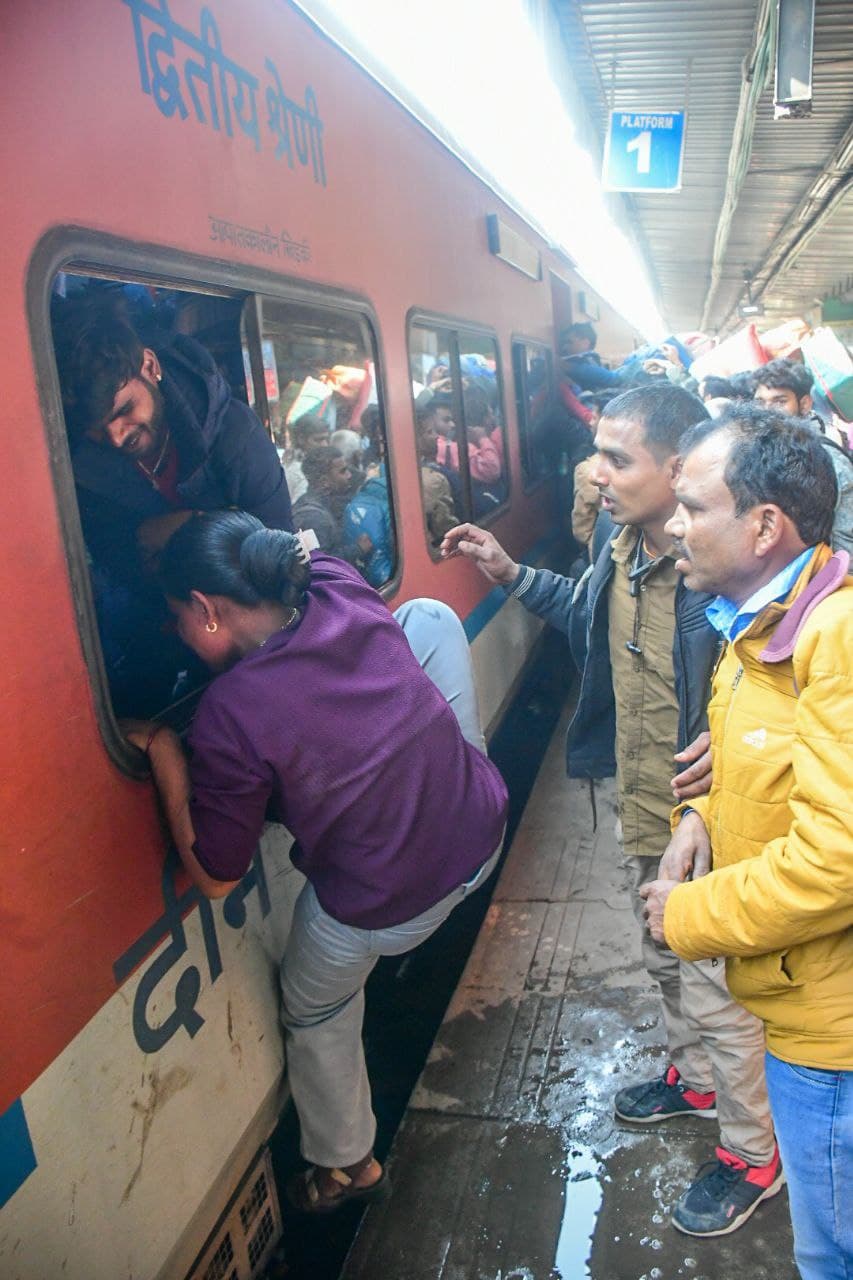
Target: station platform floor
509	1163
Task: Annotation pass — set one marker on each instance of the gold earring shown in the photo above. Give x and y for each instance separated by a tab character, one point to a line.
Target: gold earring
211	626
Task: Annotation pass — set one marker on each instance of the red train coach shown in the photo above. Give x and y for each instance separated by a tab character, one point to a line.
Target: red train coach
232	166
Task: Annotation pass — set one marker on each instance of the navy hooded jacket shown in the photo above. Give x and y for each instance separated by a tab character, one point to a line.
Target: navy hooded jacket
580	610
226	459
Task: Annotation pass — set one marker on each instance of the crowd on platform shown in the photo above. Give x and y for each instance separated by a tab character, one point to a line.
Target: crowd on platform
713	632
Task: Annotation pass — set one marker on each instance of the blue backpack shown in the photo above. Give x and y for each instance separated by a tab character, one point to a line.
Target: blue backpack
369	513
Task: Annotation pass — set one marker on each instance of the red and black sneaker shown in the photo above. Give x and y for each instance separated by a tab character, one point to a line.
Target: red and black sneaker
663	1098
726	1193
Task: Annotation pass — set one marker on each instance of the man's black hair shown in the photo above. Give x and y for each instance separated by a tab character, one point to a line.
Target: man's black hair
716	388
789	375
437	400
308	425
317	464
743	384
775	458
475	403
663	411
596	399
97	352
581	329
230	553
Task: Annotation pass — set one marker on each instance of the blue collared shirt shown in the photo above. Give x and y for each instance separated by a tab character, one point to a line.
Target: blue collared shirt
731	619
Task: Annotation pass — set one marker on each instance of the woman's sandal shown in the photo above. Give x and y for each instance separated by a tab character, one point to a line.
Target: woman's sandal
305	1195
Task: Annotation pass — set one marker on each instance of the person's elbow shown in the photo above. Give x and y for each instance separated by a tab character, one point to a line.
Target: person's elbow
211	888
208	885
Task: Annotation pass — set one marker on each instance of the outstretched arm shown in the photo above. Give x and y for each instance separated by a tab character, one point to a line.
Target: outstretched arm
549	595
172	779
483	548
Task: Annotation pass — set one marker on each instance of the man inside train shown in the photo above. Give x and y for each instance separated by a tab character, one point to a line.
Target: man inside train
322	505
643	642
756	496
154	436
308	432
581	361
435	422
439	507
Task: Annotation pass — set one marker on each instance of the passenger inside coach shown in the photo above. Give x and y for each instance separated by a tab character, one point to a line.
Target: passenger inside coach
321	507
308	432
638	636
349	443
439	508
484	460
154	433
582	362
485	450
435	419
438	377
372	431
367	525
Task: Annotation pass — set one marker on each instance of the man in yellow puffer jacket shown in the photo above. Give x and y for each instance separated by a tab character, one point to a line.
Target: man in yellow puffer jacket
756	498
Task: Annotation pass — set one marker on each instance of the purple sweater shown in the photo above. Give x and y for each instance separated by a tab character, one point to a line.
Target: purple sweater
335	724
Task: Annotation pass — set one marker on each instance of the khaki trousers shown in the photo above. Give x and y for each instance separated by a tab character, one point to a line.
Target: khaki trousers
712	1040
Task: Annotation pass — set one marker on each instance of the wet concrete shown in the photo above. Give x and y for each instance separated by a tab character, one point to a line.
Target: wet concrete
509	1164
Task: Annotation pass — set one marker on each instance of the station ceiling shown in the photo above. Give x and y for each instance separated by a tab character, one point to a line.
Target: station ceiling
767	197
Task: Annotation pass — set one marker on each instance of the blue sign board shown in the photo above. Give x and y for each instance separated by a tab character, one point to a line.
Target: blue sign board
644	151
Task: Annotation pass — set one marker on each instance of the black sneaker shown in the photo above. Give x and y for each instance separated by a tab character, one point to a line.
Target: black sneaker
663	1098
726	1193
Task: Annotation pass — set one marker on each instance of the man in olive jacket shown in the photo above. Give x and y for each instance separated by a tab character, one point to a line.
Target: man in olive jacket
756	499
645	651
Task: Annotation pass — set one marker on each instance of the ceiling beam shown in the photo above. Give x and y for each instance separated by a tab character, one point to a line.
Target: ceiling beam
825	195
756	69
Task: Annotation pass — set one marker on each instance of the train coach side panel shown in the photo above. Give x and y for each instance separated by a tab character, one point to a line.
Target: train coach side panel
143	1047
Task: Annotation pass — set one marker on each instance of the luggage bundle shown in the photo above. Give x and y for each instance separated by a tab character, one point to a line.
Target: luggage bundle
823	352
831	365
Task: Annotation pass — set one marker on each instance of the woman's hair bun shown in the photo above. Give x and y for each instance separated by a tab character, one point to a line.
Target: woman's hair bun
276	565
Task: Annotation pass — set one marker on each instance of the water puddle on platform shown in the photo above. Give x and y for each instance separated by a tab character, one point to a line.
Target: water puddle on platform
583	1197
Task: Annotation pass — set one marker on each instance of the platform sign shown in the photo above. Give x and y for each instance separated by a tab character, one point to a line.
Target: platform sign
644	151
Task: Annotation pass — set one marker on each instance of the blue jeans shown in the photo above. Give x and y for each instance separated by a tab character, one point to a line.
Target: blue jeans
813	1112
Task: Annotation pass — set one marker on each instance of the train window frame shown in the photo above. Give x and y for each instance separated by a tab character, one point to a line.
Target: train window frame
100	254
455	328
520	340
255	314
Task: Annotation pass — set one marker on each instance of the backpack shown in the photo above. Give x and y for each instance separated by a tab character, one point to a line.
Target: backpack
368	513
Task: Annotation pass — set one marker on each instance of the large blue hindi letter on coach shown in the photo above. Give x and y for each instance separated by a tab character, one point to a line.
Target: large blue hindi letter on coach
644	151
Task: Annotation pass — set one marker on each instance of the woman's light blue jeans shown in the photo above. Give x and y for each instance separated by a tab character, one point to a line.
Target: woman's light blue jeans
813	1112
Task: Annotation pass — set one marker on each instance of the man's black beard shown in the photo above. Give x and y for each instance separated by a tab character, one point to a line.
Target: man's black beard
157	423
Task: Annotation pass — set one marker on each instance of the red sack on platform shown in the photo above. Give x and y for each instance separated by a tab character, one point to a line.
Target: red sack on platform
736	354
783	342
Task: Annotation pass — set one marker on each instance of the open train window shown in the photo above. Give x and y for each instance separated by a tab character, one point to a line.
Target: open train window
459	424
533	372
185	399
154	395
327	422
